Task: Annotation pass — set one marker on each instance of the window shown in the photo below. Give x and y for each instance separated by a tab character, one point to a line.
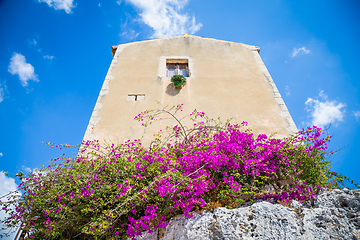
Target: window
177	67
135	97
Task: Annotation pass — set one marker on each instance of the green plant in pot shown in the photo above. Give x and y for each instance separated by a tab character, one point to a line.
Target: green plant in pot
178	80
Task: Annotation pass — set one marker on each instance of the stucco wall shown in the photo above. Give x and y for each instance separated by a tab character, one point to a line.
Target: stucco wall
227	80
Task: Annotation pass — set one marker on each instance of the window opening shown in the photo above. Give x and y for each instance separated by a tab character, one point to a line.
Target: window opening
135	97
177	67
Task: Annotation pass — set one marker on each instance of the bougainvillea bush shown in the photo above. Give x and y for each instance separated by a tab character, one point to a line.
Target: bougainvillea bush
116	191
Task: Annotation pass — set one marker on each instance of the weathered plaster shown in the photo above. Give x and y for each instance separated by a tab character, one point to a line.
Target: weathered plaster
94	119
291	127
227	80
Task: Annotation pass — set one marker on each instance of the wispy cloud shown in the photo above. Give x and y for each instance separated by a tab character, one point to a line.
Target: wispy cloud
287	89
118	2
24	70
127	32
2	96
356	114
1	154
130	34
164	17
325	111
25	168
300	51
32	42
65	5
48	57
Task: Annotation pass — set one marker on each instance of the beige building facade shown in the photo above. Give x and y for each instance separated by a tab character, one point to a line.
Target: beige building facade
224	79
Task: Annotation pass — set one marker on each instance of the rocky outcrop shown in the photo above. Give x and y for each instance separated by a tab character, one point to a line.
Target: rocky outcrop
332	215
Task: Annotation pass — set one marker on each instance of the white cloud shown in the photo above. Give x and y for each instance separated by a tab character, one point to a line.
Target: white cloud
118	2
48	57
300	51
1	155
164	18
356	114
7	185
19	66
65	5
325	112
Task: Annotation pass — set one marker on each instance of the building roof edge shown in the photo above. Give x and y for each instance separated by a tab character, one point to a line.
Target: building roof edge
250	47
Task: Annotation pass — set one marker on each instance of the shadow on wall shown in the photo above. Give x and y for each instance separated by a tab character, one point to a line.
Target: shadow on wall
171	90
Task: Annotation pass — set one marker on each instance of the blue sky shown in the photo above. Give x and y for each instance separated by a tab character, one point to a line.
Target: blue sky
55	55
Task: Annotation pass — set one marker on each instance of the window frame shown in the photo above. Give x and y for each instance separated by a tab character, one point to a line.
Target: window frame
162	70
179	65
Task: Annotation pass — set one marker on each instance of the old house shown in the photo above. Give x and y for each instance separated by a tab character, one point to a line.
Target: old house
224	79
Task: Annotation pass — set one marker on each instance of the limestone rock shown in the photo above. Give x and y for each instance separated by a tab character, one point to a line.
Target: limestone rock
332	215
200	226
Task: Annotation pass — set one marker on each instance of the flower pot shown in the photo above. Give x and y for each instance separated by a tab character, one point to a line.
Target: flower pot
178	80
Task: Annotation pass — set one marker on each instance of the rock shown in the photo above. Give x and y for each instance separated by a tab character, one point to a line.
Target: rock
148	236
260	221
346	190
295	204
201	226
334	215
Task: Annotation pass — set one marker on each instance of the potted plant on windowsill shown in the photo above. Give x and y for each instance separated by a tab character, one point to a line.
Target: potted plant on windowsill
178	80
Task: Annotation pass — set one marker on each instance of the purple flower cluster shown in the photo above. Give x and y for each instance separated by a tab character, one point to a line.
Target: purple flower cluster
110	190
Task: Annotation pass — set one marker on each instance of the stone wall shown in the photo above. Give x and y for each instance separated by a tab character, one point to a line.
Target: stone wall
332	215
